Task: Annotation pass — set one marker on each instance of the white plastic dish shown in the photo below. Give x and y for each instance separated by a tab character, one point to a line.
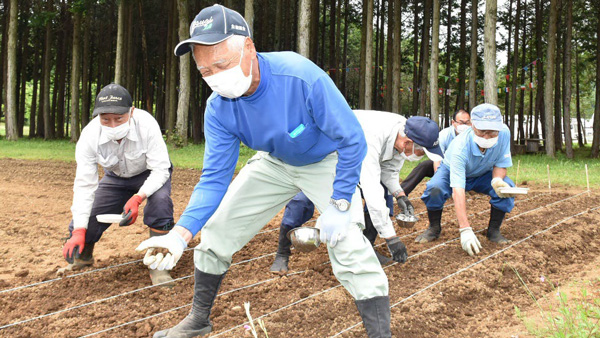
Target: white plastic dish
514	191
109	218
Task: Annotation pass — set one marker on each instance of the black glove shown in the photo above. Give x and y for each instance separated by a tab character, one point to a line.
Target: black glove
405	206
397	249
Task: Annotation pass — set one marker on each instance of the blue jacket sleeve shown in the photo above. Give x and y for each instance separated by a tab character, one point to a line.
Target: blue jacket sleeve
221	153
335	118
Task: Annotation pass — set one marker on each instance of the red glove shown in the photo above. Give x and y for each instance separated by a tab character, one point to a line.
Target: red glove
75	243
131	210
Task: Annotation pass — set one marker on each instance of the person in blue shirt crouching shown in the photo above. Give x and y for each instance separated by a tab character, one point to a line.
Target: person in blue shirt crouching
475	161
308	139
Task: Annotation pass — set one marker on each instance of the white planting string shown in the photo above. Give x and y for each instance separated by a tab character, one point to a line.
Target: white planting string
139	260
263	282
230	291
474	264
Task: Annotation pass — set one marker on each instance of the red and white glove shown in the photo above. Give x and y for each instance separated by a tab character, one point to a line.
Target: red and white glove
130	210
74	244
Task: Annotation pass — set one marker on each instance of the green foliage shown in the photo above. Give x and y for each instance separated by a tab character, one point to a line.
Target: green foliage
576	318
190	156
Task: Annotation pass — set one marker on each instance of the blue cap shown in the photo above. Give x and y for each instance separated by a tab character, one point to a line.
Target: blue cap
212	25
424	132
486	116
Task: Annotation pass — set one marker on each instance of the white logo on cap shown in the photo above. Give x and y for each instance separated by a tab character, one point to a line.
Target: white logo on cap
436	143
109	98
488	117
238	27
200	23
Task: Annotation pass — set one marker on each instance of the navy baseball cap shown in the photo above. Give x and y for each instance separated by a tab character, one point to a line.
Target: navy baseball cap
424	132
112	99
212	25
486	116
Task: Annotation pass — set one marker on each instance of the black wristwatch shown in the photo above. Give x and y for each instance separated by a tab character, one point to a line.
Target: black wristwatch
341	204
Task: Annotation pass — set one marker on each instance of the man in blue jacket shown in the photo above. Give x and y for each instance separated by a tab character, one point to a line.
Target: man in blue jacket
475	161
308	139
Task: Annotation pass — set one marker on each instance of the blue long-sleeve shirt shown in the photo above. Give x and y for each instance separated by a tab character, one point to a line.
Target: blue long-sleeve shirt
296	114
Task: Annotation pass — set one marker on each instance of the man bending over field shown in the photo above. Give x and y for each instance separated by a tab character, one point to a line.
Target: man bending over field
475	161
128	144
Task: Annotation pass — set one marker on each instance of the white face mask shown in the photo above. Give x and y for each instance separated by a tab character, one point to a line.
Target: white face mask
413	157
117	133
462	128
485	143
231	83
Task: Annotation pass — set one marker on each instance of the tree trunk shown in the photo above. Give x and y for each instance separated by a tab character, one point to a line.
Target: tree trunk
332	51
548	86
61	76
248	15
522	120
24	61
508	66
580	129
415	89
48	125
596	139
447	66
366	76
314	31
425	58
380	59
184	73
557	82
120	47
148	92
435	54
75	71
397	56
304	28
172	80
36	78
567	82
324	28
473	61
87	68
345	55
389	93
3	49
489	52
513	82
11	90
539	96
460	98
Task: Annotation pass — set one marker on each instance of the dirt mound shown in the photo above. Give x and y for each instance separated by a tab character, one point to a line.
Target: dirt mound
440	291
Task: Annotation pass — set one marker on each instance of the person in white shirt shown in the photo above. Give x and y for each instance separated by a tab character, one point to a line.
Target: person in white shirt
391	139
128	144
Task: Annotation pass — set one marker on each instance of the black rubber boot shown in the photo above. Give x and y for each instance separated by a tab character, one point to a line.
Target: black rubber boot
197	323
160	277
435	227
493	231
80	260
375	313
280	265
370	232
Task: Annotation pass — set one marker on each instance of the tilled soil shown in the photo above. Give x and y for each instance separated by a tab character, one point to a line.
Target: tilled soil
440	291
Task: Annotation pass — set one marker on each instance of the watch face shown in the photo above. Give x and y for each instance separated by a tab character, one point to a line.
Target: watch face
341	205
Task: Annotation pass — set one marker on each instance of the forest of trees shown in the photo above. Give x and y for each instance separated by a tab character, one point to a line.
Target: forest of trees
428	57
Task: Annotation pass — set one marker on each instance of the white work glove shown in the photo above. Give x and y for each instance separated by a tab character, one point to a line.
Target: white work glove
333	225
498	183
469	241
172	242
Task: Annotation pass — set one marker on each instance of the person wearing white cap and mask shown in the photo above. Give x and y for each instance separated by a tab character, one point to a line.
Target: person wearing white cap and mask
475	161
128	144
308	139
